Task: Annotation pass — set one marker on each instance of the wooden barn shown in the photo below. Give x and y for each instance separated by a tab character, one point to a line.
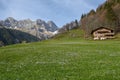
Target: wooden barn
103	33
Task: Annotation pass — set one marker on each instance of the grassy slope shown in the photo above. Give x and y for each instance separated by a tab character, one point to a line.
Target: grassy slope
65	57
71	35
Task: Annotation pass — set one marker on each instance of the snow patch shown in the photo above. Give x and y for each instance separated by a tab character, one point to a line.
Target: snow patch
55	32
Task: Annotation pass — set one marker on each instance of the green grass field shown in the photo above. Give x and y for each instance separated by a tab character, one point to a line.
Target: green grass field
61	59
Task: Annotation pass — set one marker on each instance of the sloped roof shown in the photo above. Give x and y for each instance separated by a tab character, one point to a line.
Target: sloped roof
100	28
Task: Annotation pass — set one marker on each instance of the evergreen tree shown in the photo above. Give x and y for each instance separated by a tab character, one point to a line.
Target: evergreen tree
76	22
111	16
83	15
92	12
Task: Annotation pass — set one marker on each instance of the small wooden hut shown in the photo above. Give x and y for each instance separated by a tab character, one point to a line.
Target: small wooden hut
103	33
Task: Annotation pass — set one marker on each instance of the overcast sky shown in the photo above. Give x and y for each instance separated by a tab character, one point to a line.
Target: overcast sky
59	11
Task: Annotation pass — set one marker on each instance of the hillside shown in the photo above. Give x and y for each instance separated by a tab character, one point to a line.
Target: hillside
11	36
71	34
106	15
66	57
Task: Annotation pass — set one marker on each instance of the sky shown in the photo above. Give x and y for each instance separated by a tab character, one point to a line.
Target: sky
59	11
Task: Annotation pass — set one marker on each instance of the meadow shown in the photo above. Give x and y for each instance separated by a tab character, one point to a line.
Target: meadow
61	59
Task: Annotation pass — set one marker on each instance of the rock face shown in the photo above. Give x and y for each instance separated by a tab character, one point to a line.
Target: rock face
9	22
39	28
52	26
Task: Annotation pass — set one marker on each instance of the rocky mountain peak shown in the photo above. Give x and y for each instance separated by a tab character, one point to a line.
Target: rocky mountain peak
9	22
38	28
10	19
41	22
26	20
51	23
52	26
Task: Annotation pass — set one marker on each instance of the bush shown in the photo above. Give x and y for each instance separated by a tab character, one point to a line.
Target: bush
1	43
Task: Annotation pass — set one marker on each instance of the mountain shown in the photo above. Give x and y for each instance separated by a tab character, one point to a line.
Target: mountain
106	15
12	36
39	28
52	26
69	26
9	22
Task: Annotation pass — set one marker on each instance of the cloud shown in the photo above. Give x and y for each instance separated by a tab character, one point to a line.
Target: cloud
60	11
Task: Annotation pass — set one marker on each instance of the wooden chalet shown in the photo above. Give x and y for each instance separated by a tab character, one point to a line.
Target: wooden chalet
102	33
